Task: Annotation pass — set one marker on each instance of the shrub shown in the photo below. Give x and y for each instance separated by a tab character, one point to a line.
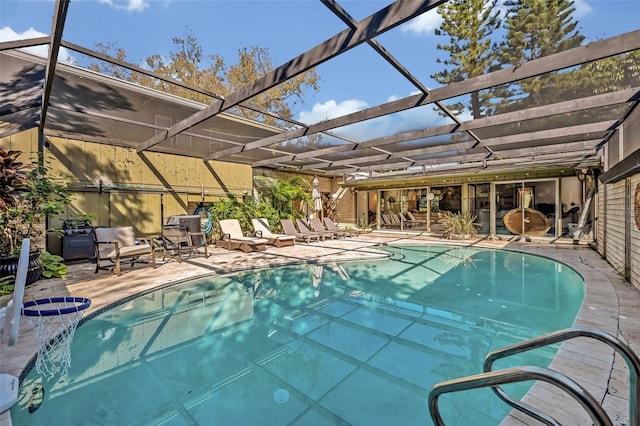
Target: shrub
52	265
459	225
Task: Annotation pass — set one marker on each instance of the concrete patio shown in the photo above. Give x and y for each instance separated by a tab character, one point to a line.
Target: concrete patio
610	305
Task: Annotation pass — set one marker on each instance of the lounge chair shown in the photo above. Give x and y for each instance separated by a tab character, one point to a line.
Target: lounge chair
290	229
233	238
262	230
413	219
396	219
118	245
316	225
304	227
331	226
387	221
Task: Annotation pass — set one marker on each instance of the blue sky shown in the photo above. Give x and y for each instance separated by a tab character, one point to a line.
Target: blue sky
356	80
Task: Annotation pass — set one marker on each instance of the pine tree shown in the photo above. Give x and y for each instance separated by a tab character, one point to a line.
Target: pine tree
538	28
469	25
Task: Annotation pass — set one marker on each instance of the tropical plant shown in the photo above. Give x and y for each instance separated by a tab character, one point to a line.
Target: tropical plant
232	208
29	196
52	265
13	179
459	225
282	195
277	201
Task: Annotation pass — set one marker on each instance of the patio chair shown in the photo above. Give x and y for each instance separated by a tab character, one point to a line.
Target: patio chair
290	229
262	230
233	238
331	226
118	245
316	225
304	227
178	240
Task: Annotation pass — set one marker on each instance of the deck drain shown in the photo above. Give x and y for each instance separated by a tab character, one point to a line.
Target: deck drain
281	396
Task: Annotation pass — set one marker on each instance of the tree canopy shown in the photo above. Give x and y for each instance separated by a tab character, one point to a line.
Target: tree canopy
212	73
469	25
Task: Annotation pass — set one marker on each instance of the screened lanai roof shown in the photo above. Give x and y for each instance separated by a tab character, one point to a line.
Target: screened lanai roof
567	132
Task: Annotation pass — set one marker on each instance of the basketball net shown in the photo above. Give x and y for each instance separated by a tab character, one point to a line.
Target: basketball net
54	334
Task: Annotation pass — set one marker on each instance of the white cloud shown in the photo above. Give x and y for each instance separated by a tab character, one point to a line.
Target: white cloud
331	109
128	5
8	34
416	118
423	24
582	8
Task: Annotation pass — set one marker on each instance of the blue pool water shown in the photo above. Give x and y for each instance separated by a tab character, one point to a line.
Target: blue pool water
355	343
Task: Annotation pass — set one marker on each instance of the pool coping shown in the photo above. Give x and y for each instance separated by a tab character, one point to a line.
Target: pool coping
611	305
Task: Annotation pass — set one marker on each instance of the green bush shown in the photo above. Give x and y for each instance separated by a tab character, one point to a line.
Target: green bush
278	200
52	266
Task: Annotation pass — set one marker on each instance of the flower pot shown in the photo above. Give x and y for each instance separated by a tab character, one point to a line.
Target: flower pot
9	266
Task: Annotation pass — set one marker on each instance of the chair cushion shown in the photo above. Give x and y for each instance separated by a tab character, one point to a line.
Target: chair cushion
126	251
250	240
126	242
123	235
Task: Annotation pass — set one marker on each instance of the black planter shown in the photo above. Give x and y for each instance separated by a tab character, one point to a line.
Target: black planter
9	266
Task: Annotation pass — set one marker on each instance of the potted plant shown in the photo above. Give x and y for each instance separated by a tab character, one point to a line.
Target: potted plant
459	226
28	196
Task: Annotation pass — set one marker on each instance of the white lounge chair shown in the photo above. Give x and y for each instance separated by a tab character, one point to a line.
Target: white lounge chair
233	238
262	230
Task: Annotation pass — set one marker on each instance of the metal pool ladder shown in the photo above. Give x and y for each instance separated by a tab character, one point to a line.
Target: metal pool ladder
526	373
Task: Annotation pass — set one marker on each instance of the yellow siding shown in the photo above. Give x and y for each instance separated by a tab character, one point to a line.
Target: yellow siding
150	187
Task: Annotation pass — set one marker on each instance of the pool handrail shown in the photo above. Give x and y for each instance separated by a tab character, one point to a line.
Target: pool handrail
515	375
632	360
524	373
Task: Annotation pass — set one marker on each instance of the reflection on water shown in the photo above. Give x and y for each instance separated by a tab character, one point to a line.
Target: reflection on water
357	343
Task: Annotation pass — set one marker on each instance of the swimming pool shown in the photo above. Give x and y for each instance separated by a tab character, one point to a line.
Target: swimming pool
353	343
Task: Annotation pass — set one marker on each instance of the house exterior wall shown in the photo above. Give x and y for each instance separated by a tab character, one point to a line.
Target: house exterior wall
614	215
601	229
634	235
148	188
618	235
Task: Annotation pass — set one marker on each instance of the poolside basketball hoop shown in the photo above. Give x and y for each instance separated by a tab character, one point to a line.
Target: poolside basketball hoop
54	321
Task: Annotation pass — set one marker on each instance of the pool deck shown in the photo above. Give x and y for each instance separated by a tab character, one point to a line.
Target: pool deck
611	305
